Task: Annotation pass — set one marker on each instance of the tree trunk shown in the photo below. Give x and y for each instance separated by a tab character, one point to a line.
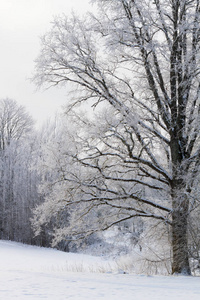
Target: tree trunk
180	204
180	263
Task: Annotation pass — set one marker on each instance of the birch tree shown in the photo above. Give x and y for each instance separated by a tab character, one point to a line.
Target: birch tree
141	58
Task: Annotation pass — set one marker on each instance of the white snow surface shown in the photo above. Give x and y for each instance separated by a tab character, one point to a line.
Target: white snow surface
28	272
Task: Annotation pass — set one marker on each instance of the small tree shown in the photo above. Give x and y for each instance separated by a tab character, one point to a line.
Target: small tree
142	59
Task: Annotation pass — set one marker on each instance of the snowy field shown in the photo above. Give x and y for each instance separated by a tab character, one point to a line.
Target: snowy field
28	272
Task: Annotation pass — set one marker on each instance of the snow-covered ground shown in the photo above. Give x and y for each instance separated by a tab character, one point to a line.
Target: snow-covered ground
28	272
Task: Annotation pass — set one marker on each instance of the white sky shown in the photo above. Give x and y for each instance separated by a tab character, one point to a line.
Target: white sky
22	23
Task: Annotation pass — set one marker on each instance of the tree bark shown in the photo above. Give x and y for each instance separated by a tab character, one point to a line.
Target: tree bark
180	206
180	262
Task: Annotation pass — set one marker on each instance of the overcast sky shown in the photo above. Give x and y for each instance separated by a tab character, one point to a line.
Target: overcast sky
22	23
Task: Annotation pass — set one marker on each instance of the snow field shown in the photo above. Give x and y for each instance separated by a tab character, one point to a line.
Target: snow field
29	272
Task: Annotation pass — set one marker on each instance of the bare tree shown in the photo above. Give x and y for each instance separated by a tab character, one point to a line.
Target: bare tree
143	59
15	122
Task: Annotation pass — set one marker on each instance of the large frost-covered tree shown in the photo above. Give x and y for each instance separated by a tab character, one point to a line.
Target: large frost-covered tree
142	58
